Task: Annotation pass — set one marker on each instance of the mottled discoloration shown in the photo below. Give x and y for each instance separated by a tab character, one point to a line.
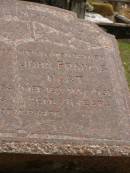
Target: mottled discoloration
62	84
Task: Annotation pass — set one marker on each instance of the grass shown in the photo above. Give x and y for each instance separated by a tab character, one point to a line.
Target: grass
124	47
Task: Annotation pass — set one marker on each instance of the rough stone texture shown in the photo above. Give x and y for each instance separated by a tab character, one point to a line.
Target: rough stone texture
62	85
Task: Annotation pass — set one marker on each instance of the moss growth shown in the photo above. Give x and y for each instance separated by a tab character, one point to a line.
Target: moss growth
105	9
124	47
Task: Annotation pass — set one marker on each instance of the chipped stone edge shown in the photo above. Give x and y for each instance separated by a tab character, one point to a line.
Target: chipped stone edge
67	149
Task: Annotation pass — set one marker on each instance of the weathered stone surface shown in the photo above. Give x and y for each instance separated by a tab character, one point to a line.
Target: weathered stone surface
62	84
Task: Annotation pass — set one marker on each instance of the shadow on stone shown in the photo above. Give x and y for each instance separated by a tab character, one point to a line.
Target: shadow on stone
65	164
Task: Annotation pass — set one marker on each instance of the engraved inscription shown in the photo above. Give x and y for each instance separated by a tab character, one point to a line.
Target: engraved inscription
49	85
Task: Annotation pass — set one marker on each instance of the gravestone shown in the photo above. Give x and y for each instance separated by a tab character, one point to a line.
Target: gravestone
62	86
